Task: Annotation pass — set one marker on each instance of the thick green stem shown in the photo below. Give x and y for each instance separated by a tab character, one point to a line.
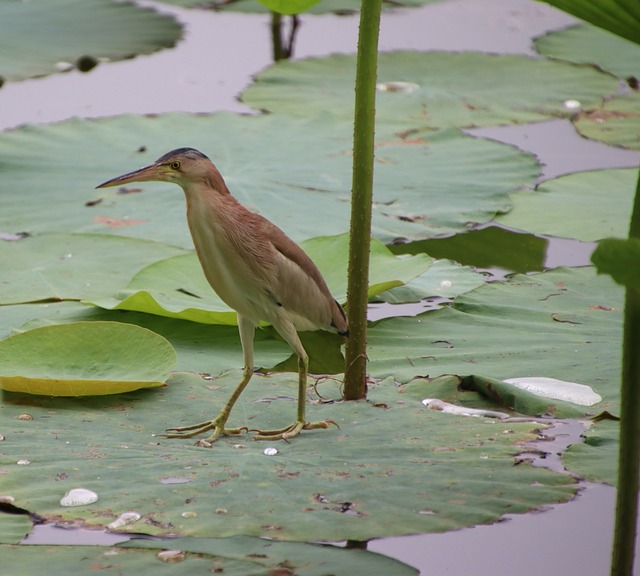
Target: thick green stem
355	387
629	456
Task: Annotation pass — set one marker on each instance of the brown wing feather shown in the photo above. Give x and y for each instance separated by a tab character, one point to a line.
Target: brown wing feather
301	286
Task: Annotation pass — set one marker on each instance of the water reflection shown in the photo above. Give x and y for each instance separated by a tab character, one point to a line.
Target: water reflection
501	251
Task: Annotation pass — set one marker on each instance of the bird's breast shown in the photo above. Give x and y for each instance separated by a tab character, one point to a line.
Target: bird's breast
229	269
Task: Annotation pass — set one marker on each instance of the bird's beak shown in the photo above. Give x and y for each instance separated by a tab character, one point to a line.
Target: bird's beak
156	172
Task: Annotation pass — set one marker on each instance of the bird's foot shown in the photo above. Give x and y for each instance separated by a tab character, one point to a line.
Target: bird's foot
292	430
217	425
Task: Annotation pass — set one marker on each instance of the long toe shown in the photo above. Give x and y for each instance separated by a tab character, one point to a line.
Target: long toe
217	425
292	430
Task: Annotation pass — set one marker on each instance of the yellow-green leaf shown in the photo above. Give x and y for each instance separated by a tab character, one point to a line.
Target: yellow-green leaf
84	359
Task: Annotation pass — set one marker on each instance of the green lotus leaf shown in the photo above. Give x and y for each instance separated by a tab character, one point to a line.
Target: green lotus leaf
239	556
13	318
203	348
596	459
14	527
444	279
72	266
424	186
40	36
585	205
366	479
84	359
615	122
564	324
585	44
425	90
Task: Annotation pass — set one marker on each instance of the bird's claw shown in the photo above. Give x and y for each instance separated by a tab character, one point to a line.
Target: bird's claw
217	425
292	430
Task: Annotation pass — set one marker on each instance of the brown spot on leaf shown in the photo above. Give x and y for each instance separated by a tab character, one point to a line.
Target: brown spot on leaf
601	116
118	222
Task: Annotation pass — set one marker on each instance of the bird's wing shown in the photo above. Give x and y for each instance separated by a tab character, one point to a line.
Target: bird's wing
300	288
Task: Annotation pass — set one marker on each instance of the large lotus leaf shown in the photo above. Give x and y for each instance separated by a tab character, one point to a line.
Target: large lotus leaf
176	287
433	89
585	44
364	480
38	34
424	186
84	359
585	205
616	122
596	459
323	7
239	556
72	266
564	324
621	17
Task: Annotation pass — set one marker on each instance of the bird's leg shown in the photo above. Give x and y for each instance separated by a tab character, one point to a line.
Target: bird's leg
247	330
301	422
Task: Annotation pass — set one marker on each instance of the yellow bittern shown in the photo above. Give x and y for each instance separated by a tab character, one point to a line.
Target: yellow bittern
255	269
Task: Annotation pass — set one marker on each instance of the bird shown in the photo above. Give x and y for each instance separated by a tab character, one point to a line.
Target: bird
256	269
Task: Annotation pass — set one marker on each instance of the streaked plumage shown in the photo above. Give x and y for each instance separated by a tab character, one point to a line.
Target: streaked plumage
253	266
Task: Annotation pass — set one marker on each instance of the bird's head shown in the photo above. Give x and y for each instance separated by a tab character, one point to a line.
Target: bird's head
183	166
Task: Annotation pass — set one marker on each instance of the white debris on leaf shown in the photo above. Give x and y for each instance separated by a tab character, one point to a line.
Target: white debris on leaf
573	392
406	87
441	406
572	105
78	497
270	451
171	556
125	519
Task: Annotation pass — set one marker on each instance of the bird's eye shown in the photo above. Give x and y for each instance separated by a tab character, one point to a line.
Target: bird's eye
175	165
